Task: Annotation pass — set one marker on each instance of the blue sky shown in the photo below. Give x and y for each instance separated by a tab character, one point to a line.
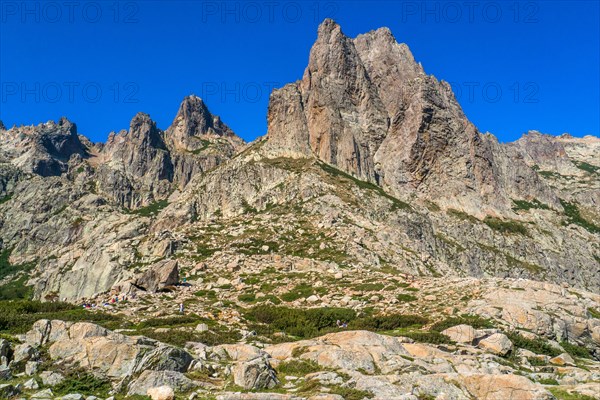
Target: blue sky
515	65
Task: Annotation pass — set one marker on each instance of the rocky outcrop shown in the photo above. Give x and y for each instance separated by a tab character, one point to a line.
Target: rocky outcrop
45	149
158	276
114	355
366	107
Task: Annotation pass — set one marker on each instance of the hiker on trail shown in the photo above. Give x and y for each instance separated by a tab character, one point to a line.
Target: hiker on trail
181	308
344	325
338	323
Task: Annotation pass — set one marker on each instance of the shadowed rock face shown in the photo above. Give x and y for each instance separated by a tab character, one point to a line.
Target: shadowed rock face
365	106
43	150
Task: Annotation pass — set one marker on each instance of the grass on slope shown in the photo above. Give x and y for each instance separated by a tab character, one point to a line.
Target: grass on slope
308	323
151	209
18	316
574	217
16	288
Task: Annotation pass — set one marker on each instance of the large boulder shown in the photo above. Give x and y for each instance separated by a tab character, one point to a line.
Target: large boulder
497	343
114	355
461	334
25	352
504	387
350	350
155	379
255	374
161	393
159	276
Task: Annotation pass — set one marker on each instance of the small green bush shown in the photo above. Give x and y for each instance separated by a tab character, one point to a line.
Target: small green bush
538	346
298	367
575	350
511	227
406	298
151	209
475	321
300	291
297	322
247	297
349	393
83	383
369	287
548	381
428	337
18	316
388	322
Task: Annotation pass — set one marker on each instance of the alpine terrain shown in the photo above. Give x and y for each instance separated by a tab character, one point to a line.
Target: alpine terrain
372	245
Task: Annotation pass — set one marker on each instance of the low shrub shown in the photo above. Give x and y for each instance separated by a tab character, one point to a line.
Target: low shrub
511	227
538	346
428	337
406	298
297	322
18	316
475	321
388	322
83	383
575	350
298	367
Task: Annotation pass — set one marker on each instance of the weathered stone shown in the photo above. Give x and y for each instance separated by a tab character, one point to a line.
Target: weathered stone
5	374
504	387
159	276
255	374
461	333
161	393
154	379
563	359
497	343
50	378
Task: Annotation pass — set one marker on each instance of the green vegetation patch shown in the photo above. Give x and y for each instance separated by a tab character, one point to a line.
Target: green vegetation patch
300	291
406	298
562	394
574	217
528	205
592	169
83	383
19	316
575	350
368	287
301	323
538	346
475	321
343	176
151	209
298	367
511	227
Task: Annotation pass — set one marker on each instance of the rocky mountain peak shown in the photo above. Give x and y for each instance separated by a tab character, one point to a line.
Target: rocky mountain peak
195	123
143	132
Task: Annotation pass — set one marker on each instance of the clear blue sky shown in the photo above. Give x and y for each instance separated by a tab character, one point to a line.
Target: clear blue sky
99	64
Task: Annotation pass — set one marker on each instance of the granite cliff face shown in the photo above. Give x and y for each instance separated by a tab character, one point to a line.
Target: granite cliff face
365	106
368	163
